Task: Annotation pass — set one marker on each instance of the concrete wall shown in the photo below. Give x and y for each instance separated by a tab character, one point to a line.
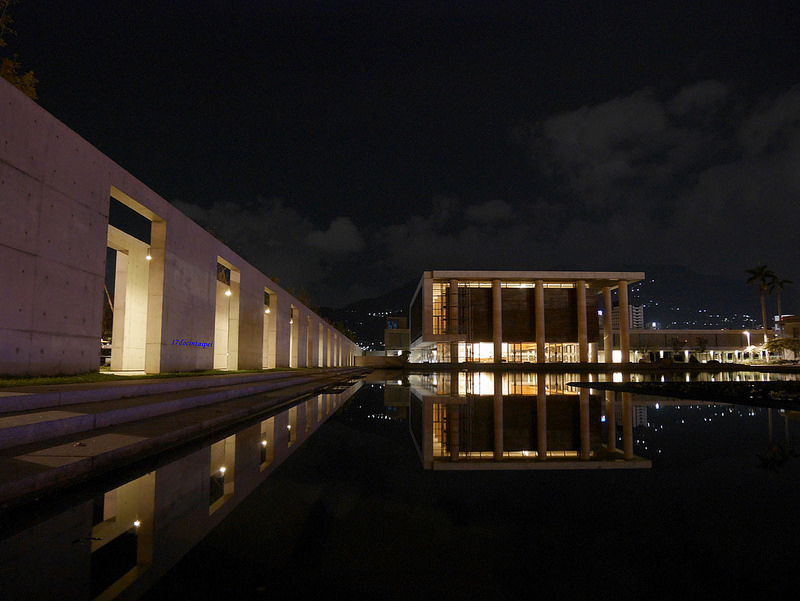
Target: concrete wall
55	191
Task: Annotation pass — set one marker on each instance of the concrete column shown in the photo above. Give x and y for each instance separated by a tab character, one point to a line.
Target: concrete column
497	320
293	326
265	342
611	421
427	434
583	339
541	418
221	325
302	340
233	321
131	299
452	318
538	295
155	297
624	333
118	326
584	420
321	344
627	425
453	429
498	417
313	342
608	336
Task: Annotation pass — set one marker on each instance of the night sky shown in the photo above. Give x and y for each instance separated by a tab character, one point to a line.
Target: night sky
344	147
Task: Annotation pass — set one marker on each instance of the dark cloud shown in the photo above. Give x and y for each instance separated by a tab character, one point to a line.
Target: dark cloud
670	180
282	243
492	211
342	237
699	177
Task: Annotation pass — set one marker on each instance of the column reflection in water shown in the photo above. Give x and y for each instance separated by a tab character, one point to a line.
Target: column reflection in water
122	536
514	420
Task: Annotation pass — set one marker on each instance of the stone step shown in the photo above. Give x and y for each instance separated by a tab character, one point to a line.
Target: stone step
43	467
31	425
24	398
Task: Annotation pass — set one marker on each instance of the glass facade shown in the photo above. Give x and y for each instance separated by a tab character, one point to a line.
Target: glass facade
464	321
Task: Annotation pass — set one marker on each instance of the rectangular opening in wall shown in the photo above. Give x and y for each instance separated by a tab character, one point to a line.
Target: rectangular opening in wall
292	427
133	290
321	349
121	538
267	443
309	341
226	316
112	561
221	472
293	338
269	350
309	407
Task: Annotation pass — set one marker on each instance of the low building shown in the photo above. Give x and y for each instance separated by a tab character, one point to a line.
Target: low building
395	336
516	316
688	346
791	326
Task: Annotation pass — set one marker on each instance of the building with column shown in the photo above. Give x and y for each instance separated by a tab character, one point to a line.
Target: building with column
79	234
501	420
693	346
517	316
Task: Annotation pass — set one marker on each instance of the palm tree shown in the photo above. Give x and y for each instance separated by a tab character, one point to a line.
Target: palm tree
761	275
776	284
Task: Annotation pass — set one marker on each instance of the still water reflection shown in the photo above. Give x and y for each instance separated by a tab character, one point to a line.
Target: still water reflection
372	514
355	514
114	539
469	420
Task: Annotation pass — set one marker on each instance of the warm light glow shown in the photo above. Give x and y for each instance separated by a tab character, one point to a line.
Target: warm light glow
263	443
136	523
222	470
266	310
228	293
148	257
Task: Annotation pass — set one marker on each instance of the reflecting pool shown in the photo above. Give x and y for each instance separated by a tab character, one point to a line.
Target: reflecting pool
355	513
113	538
451	486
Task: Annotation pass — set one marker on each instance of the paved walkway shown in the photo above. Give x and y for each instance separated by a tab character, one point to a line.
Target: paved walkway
51	436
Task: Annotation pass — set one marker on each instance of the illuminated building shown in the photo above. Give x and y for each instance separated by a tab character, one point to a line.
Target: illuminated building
516	316
635	317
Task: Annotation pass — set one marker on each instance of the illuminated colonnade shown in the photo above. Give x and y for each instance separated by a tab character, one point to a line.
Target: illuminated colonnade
487	421
516	317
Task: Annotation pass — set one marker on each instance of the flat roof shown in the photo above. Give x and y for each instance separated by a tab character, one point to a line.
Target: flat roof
595	279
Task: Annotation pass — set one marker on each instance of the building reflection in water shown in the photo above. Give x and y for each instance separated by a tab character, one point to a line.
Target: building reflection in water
118	539
517	420
512	420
